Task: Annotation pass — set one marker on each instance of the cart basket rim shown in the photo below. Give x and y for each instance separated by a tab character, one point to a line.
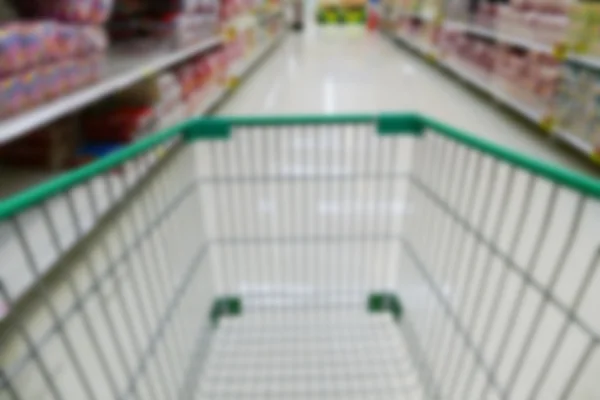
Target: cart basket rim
210	128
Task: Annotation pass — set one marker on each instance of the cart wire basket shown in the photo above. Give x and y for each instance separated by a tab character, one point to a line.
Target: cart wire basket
303	257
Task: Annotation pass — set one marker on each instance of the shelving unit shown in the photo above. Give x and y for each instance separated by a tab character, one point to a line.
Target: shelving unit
557	50
19	282
542	118
124	67
497	36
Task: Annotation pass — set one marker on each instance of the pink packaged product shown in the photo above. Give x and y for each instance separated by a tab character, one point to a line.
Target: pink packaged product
36	85
76	11
32	42
71	40
27	45
12	55
12	96
54	80
33	85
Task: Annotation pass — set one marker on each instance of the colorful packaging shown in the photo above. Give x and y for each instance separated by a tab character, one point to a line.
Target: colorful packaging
12	96
32	43
12	54
51	79
32	83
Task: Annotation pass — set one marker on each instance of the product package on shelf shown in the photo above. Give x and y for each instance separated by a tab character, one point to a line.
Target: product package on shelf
200	78
43	60
528	76
477	54
50	148
540	58
540	22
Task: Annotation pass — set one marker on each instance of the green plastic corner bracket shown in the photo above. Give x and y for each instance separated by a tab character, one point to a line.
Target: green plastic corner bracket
385	302
208	129
396	124
227	306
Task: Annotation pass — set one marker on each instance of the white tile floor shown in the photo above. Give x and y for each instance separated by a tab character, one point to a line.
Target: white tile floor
329	70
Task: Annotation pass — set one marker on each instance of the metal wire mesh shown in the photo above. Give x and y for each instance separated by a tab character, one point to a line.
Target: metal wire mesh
495	267
342	353
506	269
305	214
118	319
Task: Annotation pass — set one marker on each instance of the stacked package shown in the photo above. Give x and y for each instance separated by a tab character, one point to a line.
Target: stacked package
59	48
194	78
43	60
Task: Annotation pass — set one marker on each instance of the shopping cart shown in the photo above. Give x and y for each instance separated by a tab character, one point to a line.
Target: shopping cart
321	257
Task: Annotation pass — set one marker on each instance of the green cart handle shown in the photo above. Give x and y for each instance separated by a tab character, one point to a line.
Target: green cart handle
219	128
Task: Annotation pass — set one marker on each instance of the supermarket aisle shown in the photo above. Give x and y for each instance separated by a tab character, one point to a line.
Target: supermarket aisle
551	236
331	70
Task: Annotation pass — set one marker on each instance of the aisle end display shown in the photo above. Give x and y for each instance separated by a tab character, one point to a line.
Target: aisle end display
341	12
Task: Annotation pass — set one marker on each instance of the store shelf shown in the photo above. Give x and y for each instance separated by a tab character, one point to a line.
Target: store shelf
15	274
472	78
422	48
575	142
125	66
500	37
588	61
